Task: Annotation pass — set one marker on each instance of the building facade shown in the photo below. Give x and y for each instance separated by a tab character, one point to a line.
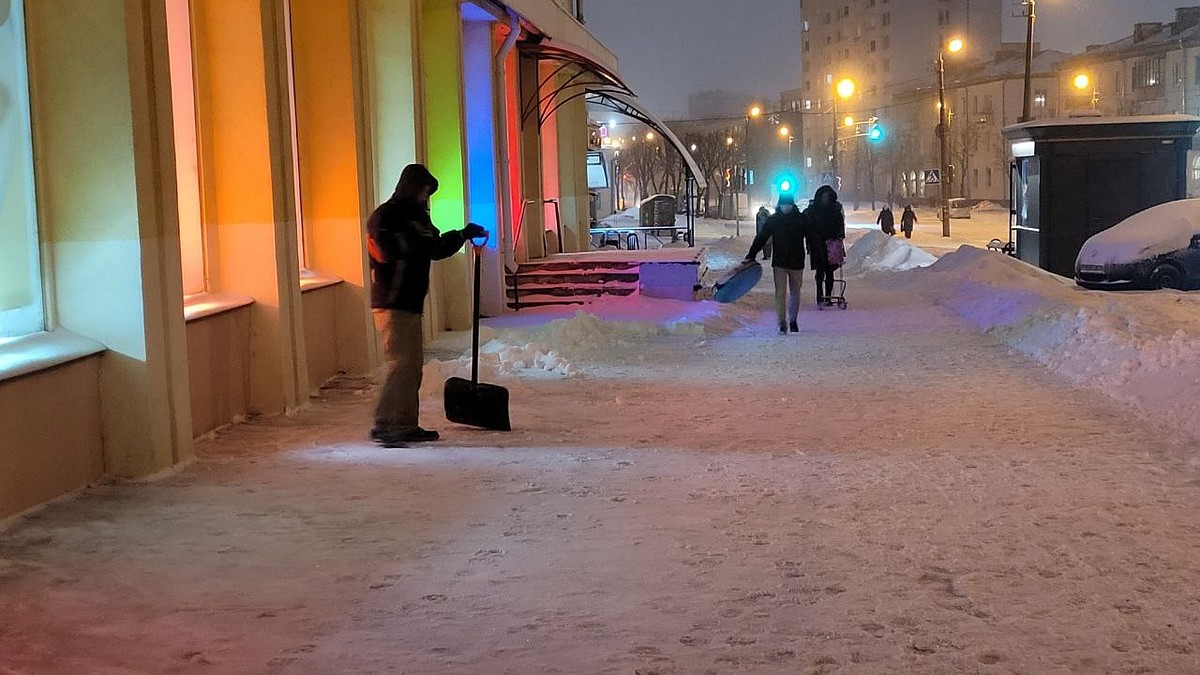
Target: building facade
887	47
981	99
186	185
1154	70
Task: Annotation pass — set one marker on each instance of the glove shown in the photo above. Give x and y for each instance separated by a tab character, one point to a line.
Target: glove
473	231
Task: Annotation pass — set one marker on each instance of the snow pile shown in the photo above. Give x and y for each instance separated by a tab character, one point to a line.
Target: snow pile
1141	349
985	205
1157	230
876	251
556	347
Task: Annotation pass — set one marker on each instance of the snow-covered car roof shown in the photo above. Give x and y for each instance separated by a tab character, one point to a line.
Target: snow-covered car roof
1155	231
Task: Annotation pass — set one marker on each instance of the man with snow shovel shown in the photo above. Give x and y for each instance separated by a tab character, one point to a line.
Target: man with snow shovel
402	242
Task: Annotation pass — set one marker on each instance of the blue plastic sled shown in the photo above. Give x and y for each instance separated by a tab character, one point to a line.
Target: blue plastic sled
737	281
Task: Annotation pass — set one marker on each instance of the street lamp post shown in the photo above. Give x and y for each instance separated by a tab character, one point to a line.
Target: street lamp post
1031	18
1081	82
943	132
844	89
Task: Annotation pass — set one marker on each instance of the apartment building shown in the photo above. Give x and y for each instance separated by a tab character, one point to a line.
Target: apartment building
886	47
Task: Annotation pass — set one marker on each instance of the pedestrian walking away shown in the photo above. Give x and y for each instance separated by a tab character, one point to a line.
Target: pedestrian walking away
886	221
826	245
789	228
760	219
402	242
907	220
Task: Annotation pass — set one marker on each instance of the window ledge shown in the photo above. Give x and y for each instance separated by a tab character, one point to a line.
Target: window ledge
311	280
201	305
41	351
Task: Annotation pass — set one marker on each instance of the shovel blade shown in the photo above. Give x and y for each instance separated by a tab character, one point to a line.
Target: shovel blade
477	404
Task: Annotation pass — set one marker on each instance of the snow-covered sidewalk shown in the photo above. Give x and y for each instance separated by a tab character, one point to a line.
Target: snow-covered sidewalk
890	491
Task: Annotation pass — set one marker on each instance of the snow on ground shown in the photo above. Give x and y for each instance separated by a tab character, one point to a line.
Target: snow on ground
1141	348
890	491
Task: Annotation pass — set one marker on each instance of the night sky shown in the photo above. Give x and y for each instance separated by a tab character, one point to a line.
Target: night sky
671	48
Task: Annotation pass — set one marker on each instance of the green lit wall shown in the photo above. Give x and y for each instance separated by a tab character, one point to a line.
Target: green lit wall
441	60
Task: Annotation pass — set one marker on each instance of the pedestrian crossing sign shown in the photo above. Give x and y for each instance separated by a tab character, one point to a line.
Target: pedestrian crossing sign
933	177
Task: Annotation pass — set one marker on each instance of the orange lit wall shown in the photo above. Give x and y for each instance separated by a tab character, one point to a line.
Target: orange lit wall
330	200
245	171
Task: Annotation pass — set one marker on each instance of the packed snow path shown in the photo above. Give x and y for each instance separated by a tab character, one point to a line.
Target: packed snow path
886	492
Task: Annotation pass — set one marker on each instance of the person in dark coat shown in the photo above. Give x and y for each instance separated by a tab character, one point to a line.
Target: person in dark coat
402	242
760	219
788	228
828	224
907	220
886	221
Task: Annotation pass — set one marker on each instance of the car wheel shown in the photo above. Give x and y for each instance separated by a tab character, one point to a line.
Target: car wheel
1166	276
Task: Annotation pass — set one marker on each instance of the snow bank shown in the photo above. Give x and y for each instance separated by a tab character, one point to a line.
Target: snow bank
1141	349
1157	230
876	251
543	344
986	205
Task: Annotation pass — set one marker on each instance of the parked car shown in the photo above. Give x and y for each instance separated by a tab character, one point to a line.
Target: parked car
960	208
1153	249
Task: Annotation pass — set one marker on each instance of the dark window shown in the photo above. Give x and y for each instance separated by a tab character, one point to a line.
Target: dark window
1148	72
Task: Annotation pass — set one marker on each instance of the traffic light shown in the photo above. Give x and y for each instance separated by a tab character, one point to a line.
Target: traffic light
875	133
787	185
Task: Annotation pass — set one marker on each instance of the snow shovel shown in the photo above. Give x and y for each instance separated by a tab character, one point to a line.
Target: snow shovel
472	402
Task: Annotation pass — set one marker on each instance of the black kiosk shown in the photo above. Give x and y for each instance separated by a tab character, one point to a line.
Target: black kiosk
1072	178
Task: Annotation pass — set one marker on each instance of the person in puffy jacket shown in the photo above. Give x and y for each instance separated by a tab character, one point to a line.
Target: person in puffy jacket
402	242
760	219
788	229
828	224
907	220
886	220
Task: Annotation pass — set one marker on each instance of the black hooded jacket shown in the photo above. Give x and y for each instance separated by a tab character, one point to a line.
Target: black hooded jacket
787	232
403	241
828	222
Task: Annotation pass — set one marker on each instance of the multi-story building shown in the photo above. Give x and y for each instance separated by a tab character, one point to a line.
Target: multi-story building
886	47
981	99
1154	70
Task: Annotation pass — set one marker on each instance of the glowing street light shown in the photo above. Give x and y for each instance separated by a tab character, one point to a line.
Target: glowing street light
954	46
848	120
693	147
649	135
729	140
845	88
756	111
784	132
1082	82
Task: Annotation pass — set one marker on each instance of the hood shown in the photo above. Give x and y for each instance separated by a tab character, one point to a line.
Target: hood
412	179
823	190
1155	231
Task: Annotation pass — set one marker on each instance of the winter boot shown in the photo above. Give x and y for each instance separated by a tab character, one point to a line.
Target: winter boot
794	327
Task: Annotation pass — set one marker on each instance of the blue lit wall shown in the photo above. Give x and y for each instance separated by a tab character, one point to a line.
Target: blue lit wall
481	124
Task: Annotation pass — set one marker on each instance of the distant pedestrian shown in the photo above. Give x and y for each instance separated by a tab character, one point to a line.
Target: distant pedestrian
886	221
789	228
826	244
907	220
760	220
402	241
